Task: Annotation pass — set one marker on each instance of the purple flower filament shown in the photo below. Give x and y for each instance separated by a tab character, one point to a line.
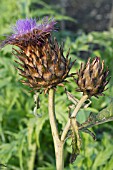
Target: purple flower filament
24	26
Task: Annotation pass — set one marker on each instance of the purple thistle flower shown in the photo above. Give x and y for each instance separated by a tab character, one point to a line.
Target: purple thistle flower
27	31
24	26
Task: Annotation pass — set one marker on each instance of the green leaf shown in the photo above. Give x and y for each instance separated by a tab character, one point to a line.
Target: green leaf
39	124
102	157
6	151
5	82
103	116
109	165
106	113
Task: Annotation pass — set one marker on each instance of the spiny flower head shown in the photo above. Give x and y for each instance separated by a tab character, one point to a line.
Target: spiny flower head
92	77
42	62
27	31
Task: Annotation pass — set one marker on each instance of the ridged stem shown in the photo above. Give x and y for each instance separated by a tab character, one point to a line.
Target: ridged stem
59	145
74	114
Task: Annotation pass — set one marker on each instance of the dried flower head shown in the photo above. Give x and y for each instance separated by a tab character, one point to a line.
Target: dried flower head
42	61
92	77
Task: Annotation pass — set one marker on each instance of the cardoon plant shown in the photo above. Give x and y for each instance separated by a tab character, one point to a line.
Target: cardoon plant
43	65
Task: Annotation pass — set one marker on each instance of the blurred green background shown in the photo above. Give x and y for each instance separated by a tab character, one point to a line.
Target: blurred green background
25	141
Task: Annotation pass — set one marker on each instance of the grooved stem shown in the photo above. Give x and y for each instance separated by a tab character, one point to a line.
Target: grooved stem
59	145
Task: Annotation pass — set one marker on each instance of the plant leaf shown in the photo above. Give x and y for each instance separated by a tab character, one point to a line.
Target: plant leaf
102	157
76	142
105	115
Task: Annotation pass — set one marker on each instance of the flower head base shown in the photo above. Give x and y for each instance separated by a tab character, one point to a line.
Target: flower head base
92	78
27	31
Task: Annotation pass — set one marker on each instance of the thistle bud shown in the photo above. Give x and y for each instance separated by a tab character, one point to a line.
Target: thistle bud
92	78
42	61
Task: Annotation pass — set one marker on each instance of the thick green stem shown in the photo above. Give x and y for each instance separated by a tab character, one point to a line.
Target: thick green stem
59	145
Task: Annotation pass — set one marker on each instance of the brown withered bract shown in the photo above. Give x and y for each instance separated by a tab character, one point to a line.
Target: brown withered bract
44	66
92	78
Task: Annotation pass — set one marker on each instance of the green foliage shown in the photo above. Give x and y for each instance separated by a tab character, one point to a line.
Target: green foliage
94	155
19	128
95	44
28	8
51	10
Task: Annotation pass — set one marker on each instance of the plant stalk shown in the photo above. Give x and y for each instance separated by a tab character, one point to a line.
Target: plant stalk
74	114
58	144
59	154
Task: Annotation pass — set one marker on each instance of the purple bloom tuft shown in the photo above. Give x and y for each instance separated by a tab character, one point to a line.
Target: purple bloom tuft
24	26
27	31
